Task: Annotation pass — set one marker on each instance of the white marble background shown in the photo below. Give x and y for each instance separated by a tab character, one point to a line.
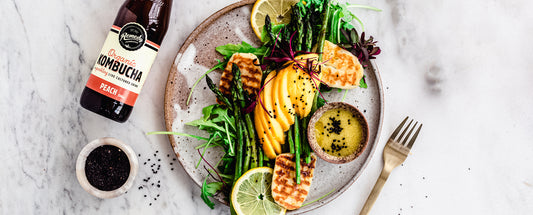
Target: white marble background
464	68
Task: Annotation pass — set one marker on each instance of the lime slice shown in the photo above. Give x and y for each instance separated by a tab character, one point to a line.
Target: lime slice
278	10
251	193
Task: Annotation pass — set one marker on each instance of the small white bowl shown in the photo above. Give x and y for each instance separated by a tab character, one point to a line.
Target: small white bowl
82	158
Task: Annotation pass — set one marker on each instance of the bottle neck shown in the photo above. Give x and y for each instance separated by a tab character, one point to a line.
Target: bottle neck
153	15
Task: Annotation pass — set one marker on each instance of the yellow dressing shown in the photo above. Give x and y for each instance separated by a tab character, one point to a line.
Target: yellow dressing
338	132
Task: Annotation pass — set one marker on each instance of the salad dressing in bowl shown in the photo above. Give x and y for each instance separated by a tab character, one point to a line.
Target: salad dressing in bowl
339	133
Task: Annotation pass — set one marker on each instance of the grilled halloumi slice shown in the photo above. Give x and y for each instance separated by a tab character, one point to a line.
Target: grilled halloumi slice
251	74
285	191
341	68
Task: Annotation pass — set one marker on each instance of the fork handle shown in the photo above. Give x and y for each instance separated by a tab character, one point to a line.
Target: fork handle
376	190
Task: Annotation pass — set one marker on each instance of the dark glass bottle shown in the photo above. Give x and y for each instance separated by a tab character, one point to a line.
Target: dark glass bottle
126	58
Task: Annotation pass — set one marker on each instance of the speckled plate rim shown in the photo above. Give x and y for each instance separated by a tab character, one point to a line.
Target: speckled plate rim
168	105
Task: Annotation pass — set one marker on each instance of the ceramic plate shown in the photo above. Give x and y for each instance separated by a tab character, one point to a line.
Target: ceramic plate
197	55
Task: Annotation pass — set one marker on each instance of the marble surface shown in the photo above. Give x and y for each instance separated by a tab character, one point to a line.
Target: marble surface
461	67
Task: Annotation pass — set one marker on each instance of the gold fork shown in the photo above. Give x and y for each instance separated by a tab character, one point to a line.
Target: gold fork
394	154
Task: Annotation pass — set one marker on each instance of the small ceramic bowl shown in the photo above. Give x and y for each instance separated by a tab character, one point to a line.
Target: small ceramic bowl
82	158
312	139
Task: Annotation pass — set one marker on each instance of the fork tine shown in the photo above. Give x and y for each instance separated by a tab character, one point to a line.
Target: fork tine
397	130
406	128
408	134
410	145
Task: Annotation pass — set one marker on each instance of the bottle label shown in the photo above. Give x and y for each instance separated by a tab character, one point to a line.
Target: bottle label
123	63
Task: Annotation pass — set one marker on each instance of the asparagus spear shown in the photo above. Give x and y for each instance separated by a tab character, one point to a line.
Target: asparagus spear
291	140
268	28
261	157
238	101
320	48
297	148
299	28
305	145
217	92
239	145
322	35
251	136
247	148
308	45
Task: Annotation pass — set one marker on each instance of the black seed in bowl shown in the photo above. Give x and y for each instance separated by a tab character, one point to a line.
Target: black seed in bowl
107	167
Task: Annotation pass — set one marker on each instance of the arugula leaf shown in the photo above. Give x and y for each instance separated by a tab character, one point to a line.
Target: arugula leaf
362	83
205	125
228	142
341	18
217	113
212	138
214	187
209	190
229	49
222	116
177	133
219	65
347	25
215	139
320	102
207	112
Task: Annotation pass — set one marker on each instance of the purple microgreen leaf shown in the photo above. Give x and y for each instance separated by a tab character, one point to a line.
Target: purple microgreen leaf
220	177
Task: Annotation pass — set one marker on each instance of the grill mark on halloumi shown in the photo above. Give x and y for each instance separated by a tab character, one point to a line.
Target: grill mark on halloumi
251	74
341	68
285	191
